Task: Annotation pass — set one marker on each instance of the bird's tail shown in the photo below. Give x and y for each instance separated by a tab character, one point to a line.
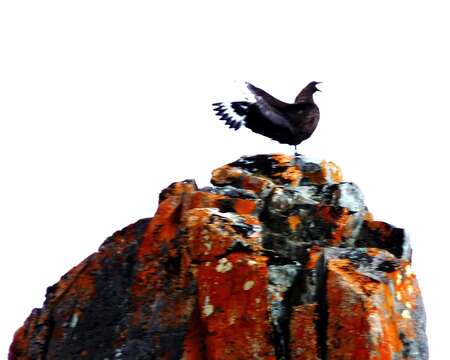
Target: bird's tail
233	113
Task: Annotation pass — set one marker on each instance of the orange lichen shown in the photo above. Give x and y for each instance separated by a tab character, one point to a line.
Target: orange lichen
244	206
162	228
326	213
226	175
85	285
290	172
255	183
314	255
348	325
361	283
338	233
349	226
328	173
292	175
367	328
251	220
234	313
210	235
368	216
303	332
178	188
200	199
334	171
316	177
294	221
406	295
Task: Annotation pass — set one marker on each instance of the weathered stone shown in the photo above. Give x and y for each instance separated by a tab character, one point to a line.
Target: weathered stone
232	295
303	332
381	235
279	260
370	311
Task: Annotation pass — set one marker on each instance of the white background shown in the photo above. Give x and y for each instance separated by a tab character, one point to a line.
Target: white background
105	103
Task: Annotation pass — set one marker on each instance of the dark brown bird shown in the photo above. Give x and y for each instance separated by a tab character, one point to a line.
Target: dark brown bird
286	123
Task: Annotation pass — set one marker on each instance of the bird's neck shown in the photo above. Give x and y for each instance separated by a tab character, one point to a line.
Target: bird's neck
304	97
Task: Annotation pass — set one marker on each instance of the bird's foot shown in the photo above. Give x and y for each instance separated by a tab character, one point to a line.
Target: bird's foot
297	159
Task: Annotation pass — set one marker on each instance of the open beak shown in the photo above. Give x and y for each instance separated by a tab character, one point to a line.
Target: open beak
319	82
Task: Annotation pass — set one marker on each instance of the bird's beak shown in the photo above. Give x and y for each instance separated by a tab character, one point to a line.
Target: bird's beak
319	82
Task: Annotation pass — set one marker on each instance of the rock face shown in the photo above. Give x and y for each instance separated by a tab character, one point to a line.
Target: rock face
279	260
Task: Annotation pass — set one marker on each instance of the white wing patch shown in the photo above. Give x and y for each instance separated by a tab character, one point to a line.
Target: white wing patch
227	113
245	91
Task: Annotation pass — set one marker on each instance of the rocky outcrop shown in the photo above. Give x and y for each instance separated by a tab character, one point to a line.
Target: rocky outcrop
280	259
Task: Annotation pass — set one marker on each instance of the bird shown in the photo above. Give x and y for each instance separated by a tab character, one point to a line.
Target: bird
287	123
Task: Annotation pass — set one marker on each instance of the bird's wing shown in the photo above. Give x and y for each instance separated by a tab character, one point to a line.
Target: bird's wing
269	99
271	114
270	107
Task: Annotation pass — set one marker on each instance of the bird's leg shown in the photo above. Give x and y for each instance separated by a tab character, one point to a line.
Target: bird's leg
296	153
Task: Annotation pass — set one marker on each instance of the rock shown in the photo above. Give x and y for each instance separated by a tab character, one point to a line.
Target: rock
280	259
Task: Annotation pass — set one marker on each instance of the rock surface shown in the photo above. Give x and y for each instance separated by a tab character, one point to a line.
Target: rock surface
280	259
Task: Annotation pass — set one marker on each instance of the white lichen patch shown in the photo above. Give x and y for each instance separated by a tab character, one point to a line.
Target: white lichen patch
208	308
224	265
74	320
282	276
408	305
251	262
399	279
406	314
398	295
376	327
232	318
248	285
208	245
409	270
410	289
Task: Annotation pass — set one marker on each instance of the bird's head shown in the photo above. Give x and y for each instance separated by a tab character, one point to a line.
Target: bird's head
312	86
307	93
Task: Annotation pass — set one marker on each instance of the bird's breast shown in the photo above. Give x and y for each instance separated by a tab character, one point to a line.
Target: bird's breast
306	122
